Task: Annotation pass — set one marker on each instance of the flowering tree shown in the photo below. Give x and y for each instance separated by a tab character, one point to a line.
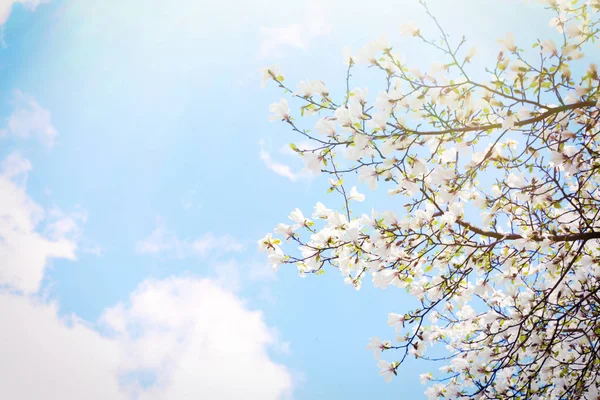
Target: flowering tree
499	239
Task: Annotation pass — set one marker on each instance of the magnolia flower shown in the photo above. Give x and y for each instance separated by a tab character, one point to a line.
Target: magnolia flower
557	159
471	54
576	32
368	54
352	235
361	141
308	88
421	253
508	43
479	201
385	102
359	95
418	168
280	111
581	91
325	126
386	370
378	346
548	46
321	211
287	231
305	89
448	156
387	147
457	208
299	218
357	283
509	122
360	149
481	287
343	117
382	279
313	161
417	349
523	114
266	74
568	49
486	218
276	258
426	377
409	29
379	121
516	181
369	176
347	54
518	67
448	218
396	320
571	98
425	215
268	243
556	23
438	67
407	187
355	195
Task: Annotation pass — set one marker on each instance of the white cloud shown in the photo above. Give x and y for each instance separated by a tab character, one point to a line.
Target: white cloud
46	357
29	119
260	271
162	240
234	274
90	247
173	339
14	166
190	200
281	168
229	266
24	251
179	338
199	340
6	7
159	241
299	35
221	244
229	275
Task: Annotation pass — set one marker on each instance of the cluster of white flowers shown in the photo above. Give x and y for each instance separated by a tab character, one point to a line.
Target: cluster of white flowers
499	238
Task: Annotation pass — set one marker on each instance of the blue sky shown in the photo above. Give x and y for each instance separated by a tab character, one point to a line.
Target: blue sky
139	170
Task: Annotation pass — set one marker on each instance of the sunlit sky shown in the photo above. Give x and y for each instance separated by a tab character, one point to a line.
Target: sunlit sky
139	169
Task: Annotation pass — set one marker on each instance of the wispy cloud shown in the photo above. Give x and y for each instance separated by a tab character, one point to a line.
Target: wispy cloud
277	167
274	39
7	5
226	256
143	348
280	168
29	120
164	241
24	249
176	338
